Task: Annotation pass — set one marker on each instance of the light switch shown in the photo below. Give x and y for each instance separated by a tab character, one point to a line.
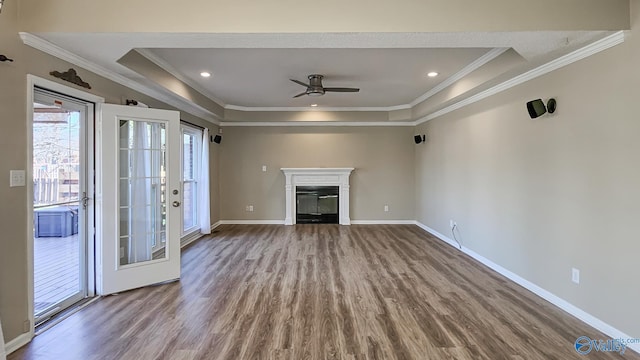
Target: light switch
264	168
16	178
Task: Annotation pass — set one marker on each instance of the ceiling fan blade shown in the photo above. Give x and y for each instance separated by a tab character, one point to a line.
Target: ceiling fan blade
299	82
335	89
304	93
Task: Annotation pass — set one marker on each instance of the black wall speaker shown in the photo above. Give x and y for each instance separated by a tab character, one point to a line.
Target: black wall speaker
216	139
419	138
536	107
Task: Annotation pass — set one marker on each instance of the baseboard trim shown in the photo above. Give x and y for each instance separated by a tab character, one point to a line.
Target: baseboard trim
17	343
537	290
196	235
190	238
251	222
383	222
281	222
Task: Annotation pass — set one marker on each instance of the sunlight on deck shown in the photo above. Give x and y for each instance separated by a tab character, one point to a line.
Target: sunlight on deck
56	275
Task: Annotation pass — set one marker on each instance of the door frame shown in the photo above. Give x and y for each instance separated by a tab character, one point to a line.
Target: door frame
33	82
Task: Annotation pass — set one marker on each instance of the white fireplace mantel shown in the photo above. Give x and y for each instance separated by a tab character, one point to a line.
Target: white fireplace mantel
317	177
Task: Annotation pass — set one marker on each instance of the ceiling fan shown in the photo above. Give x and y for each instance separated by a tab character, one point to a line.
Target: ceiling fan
315	88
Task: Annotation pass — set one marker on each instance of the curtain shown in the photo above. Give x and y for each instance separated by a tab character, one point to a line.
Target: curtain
140	209
204	211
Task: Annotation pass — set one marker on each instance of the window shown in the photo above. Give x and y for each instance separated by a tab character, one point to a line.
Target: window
191	152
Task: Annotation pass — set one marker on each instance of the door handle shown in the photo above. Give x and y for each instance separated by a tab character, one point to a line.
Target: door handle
176	203
85	200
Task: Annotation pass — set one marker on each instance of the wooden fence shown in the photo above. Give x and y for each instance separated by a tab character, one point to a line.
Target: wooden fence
46	191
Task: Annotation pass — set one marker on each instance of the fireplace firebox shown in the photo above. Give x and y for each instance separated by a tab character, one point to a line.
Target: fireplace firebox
317	204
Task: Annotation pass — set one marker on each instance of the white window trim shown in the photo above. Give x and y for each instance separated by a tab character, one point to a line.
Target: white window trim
197	133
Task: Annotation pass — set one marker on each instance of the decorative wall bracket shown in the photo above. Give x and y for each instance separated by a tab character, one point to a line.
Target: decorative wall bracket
71	76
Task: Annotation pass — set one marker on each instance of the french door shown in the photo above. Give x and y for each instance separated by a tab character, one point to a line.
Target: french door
60	201
138	197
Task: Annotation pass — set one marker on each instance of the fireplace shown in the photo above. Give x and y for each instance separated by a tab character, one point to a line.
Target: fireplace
317	204
317	178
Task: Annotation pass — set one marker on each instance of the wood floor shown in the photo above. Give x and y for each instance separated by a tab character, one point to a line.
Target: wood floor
321	292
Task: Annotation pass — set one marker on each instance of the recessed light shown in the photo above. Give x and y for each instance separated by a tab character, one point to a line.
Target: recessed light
314	105
205	74
432	74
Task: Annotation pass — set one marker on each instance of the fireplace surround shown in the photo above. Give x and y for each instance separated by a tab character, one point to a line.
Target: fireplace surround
295	177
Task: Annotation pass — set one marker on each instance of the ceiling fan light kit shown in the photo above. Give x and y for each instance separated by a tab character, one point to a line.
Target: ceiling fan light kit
315	88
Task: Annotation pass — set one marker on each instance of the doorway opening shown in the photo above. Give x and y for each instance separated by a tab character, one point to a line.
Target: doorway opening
62	160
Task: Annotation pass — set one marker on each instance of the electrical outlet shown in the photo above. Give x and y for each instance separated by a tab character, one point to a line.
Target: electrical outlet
249	208
386	208
575	275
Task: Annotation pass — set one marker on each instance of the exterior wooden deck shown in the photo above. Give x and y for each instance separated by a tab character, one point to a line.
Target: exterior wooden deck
57	270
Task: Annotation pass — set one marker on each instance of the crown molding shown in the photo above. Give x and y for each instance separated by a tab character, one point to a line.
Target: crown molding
158	94
492	54
172	99
149	55
586	51
316	123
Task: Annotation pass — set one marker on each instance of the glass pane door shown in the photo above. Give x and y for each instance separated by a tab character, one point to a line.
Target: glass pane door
59	187
143	206
138	200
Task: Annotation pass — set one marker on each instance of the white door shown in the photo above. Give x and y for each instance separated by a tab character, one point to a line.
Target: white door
138	197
